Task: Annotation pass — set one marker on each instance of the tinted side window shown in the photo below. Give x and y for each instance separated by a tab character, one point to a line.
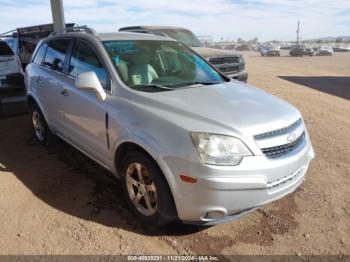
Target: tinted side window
39	56
85	59
56	54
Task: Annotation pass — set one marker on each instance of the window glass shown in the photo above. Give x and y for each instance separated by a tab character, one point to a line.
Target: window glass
85	59
166	63
184	36
5	49
12	42
56	54
39	57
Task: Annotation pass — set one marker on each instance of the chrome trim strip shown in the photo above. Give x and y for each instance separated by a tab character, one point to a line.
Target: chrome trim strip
281	131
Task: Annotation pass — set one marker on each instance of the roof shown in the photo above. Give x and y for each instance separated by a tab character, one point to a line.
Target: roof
131	36
113	36
152	27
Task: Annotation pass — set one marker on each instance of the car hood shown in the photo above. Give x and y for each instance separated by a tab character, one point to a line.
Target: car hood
234	106
212	52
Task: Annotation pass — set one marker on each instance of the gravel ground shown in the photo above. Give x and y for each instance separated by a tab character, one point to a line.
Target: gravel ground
55	201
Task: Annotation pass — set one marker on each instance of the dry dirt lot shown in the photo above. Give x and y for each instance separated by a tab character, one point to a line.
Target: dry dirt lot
53	201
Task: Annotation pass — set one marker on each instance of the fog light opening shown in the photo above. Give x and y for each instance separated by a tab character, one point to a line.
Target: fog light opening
215	214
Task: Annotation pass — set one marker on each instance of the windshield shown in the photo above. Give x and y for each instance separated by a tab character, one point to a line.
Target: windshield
5	49
184	36
142	63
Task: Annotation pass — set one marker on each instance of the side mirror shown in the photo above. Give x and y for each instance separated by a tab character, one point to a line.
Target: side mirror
89	80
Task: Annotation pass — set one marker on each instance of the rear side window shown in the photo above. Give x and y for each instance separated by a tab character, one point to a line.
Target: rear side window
39	56
85	59
5	49
56	54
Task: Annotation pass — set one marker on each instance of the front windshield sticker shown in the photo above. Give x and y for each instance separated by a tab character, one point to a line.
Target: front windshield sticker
120	47
116	60
202	64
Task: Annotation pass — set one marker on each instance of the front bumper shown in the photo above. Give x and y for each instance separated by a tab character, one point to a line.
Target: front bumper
224	193
240	76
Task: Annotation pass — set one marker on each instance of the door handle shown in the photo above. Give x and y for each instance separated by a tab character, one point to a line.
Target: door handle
64	92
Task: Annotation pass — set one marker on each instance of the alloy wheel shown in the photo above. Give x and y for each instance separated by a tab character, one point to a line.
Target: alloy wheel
38	126
141	189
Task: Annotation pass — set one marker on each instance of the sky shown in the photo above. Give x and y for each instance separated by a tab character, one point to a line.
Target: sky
227	19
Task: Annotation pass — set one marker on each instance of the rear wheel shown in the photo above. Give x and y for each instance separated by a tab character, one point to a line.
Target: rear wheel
146	190
41	130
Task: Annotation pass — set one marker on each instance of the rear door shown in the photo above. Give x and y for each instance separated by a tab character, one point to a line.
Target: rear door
83	115
50	80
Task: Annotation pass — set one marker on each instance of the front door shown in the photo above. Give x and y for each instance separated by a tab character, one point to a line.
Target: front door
83	115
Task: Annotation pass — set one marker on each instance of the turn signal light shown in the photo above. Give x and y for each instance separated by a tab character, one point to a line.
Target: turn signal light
188	179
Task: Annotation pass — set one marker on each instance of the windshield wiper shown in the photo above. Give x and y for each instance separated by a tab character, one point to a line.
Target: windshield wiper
197	83
152	86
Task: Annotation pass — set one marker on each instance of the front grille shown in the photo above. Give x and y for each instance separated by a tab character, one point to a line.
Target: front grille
226	69
224	60
278	151
280	131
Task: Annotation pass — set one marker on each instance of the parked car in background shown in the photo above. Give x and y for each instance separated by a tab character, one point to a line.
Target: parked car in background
187	142
325	51
230	47
341	48
270	51
285	47
309	51
243	48
11	73
230	63
220	47
297	50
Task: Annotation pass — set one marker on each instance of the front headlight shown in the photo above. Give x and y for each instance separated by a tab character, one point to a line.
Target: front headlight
241	59
219	149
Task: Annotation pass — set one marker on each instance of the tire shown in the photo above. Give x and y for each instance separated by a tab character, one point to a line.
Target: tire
41	130
153	206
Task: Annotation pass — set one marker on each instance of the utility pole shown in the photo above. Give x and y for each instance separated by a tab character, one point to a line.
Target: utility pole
57	15
298	32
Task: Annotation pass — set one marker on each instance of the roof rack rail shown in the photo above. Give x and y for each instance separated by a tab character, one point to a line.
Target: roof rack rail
9	33
83	28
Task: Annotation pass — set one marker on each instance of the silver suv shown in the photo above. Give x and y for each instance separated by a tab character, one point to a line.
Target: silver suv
186	141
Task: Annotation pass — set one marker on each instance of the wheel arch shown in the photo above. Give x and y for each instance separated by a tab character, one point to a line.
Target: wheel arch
128	146
125	147
31	101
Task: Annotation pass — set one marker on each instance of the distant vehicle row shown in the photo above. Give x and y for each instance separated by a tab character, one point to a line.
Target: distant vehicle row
296	50
301	50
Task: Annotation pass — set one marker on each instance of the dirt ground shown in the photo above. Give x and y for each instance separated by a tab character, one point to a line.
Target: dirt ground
54	201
